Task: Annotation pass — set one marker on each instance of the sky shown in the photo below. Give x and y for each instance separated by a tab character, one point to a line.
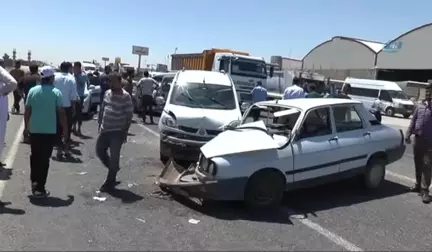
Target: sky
85	30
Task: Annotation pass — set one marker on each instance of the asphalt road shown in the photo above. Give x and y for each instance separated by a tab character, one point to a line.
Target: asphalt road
138	217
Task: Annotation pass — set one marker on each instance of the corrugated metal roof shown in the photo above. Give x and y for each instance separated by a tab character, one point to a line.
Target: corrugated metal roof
375	46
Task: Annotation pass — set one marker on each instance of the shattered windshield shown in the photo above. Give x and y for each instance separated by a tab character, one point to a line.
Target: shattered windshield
204	95
278	120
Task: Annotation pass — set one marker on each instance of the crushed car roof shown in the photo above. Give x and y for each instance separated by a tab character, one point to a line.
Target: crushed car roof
308	103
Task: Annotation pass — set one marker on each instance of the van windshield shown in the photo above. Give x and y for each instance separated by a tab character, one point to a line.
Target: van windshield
398	95
203	95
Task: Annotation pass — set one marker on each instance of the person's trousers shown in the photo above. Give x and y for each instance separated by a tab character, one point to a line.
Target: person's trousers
78	112
41	149
112	141
59	142
4	113
422	150
147	106
17	100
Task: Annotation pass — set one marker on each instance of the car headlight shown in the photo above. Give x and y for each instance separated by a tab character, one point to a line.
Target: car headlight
207	166
169	121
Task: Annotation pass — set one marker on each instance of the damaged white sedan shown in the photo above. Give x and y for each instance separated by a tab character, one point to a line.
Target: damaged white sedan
285	145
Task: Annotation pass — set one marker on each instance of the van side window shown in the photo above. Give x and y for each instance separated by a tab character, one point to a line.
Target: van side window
317	123
373	93
223	65
385	96
346	118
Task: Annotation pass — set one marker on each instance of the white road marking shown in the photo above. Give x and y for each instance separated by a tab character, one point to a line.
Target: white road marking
400	177
10	157
149	130
312	225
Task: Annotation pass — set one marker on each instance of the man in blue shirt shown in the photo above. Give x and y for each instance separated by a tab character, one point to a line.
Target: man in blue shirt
43	103
259	93
65	82
82	81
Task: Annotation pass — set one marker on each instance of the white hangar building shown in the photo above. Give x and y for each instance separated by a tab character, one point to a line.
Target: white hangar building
341	57
407	57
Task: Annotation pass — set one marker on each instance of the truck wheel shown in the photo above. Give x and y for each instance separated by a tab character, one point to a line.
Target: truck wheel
264	190
390	111
406	115
375	173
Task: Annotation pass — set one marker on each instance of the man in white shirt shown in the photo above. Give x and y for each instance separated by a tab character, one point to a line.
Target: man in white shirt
145	89
65	82
7	84
294	92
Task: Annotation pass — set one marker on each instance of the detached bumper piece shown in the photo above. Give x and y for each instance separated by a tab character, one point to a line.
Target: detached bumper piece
184	181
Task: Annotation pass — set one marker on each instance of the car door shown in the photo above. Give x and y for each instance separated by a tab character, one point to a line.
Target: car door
313	147
351	134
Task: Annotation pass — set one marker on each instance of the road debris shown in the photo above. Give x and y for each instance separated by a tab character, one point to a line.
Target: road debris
141	220
193	221
132	184
82	173
99	198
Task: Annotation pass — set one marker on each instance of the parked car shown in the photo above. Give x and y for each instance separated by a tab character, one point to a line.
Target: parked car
91	100
295	144
198	106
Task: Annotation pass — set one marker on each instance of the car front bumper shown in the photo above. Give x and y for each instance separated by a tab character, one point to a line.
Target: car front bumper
190	182
180	149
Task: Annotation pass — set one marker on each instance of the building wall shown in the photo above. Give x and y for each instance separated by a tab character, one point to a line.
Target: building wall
339	74
415	51
340	53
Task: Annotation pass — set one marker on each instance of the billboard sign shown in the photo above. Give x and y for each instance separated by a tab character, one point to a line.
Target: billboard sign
140	50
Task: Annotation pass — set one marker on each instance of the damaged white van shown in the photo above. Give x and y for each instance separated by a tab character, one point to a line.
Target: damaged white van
286	145
198	106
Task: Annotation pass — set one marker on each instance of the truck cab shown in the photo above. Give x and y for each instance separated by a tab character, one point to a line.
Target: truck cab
245	71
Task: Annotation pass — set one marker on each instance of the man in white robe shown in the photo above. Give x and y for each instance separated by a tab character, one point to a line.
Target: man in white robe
7	85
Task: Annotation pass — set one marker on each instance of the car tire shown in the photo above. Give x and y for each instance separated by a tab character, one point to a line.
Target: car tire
375	173
390	111
406	115
264	190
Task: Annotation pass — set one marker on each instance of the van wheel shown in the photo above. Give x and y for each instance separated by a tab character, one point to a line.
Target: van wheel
375	173
264	190
390	111
406	115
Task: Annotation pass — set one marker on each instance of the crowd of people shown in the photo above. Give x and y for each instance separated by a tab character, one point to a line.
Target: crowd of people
53	103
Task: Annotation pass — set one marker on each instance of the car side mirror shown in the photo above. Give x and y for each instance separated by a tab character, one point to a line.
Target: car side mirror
232	125
271	73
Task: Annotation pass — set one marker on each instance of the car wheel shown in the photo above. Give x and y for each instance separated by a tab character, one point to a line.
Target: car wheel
390	111
264	190
406	115
375	173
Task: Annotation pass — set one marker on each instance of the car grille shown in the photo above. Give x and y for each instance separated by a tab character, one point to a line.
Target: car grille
194	130
188	137
409	107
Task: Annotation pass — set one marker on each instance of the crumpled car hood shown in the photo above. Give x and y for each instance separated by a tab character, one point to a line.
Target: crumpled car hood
239	141
212	119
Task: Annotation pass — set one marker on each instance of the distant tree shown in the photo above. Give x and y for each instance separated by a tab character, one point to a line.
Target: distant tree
6	57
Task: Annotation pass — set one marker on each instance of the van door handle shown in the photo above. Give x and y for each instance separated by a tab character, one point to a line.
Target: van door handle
334	138
367	134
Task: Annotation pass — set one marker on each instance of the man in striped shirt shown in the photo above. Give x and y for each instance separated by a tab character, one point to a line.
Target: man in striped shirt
114	121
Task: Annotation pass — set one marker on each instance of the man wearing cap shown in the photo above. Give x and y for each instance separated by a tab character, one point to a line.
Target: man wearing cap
44	103
65	82
7	84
